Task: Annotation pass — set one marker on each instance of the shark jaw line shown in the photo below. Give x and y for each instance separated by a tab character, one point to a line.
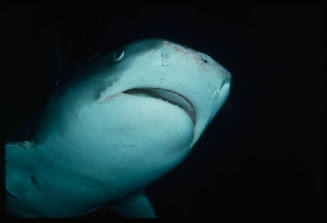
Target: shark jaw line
168	96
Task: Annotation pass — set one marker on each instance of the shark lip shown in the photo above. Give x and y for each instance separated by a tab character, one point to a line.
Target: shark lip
169	96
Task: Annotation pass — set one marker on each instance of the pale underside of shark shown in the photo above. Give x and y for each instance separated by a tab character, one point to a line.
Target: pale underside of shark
116	126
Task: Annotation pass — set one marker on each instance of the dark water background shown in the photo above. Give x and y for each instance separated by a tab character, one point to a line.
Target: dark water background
262	156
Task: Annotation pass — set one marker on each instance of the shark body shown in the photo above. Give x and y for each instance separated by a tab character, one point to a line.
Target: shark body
115	127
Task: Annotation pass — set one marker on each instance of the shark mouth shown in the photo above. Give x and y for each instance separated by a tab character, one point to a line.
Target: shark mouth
169	96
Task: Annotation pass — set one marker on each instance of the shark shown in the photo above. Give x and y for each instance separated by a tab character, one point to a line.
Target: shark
117	125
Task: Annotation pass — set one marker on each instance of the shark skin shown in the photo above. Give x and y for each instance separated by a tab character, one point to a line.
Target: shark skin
119	124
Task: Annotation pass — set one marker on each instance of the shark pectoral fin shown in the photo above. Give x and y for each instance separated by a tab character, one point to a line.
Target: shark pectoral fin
137	206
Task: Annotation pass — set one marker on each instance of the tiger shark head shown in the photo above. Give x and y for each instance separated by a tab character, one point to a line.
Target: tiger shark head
142	107
114	127
145	77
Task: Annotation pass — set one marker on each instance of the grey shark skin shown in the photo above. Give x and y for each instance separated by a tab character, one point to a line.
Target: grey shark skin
115	127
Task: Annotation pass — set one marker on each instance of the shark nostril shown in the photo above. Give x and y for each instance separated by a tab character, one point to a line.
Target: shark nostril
204	60
225	86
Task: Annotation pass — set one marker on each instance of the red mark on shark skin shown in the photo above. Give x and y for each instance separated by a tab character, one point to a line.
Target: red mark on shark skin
175	47
107	98
197	58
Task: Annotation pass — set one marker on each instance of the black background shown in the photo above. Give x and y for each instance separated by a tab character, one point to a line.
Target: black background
262	156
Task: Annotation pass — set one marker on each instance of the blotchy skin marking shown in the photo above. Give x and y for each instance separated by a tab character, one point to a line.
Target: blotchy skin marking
107	98
186	51
178	49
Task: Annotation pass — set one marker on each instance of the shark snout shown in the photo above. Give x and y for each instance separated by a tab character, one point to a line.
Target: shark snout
175	54
195	76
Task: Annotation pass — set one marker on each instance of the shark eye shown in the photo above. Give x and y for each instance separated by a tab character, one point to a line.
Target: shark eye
118	55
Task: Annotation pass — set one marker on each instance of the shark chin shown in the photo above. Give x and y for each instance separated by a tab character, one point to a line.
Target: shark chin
117	125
